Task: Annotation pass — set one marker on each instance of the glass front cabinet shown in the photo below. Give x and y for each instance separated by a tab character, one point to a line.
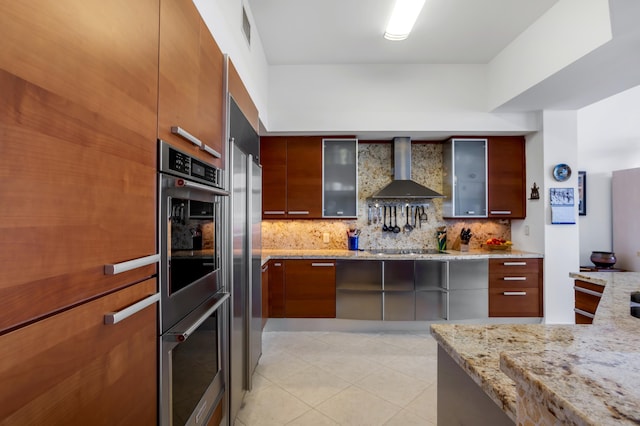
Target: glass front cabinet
465	178
340	178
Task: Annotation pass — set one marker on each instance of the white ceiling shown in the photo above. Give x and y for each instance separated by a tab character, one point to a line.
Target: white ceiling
351	31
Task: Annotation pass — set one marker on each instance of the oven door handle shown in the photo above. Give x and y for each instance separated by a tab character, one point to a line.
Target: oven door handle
182	183
180	334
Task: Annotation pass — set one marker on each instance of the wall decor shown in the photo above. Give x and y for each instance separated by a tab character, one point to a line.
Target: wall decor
561	172
582	193
562	206
535	194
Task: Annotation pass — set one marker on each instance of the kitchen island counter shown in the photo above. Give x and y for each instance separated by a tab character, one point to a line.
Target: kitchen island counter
268	254
570	374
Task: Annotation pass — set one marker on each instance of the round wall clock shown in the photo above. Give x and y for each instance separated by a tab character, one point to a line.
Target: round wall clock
561	172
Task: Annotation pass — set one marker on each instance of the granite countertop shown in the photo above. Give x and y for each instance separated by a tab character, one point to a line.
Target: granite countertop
367	255
583	374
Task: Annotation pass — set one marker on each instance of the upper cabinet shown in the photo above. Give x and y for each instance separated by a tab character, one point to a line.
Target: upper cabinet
485	178
291	177
507	190
191	92
340	178
465	178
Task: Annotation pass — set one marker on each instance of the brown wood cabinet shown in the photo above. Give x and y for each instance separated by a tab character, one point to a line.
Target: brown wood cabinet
310	288
78	154
191	92
292	177
265	294
72	368
587	298
515	287
276	288
506	177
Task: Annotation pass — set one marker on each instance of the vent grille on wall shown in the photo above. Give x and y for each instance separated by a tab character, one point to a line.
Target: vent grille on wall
246	26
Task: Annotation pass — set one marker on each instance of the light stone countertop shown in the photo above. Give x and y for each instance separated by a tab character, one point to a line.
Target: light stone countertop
583	374
268	254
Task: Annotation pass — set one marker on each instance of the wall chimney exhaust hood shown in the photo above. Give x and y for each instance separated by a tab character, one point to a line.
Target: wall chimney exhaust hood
402	187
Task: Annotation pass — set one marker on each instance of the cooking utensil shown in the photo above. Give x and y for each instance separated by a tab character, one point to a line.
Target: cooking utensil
423	215
407	226
396	228
385	228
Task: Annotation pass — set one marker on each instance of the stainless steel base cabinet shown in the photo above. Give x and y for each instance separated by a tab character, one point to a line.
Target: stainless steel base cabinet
468	287
359	289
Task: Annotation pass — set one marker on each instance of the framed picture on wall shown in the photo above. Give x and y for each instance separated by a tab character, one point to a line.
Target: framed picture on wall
582	193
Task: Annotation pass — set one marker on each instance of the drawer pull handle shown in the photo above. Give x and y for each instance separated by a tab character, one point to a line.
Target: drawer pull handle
129	265
500	211
515	263
298	212
584	313
587	291
515	278
115	317
514	293
322	264
273	212
277	264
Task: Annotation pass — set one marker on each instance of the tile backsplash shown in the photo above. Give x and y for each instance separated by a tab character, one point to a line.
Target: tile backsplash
375	171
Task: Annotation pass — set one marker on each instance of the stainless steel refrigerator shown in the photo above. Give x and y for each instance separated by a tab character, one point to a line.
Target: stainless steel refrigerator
246	294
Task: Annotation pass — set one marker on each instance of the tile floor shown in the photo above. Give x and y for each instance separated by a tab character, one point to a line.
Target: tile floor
341	378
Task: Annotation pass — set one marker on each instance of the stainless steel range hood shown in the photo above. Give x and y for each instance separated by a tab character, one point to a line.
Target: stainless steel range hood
402	186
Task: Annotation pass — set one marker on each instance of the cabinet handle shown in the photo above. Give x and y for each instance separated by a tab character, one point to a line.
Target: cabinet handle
177	130
129	265
584	313
471	212
115	317
322	264
298	212
277	264
587	291
514	293
514	278
273	212
500	212
206	148
514	263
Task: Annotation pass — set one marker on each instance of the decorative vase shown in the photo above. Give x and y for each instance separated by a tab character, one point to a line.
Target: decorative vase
603	259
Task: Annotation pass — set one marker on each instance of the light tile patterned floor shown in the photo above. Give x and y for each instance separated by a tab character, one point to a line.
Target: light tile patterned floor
340	378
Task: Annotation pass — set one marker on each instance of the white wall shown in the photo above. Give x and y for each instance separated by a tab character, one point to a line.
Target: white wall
609	139
224	20
356	98
561	245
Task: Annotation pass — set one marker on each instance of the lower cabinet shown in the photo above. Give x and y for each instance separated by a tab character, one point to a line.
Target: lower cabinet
515	287
265	294
587	298
276	288
310	288
72	368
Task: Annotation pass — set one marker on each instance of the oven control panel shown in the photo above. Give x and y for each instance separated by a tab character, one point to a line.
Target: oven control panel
181	164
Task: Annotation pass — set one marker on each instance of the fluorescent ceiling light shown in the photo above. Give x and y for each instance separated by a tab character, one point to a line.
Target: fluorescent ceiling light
404	15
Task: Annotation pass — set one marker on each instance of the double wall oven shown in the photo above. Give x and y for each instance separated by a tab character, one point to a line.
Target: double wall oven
194	301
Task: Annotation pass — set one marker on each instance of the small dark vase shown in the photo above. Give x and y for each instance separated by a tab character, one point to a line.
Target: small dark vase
603	259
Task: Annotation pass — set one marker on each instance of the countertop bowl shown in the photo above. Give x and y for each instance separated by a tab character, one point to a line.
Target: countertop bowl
603	259
498	246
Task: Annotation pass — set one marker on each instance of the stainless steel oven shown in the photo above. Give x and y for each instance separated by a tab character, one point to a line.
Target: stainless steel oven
191	194
191	358
193	298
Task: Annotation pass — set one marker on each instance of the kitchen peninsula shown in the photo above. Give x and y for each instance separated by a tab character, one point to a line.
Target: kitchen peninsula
555	374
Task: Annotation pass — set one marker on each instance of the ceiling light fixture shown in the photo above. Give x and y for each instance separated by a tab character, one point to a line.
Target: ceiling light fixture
404	15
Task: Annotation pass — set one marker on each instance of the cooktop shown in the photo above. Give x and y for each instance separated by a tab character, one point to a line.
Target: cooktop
406	251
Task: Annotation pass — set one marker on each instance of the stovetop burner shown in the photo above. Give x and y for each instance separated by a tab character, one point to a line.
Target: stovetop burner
405	251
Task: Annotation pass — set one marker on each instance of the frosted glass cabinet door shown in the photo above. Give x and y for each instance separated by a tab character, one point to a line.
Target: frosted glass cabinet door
465	186
339	178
